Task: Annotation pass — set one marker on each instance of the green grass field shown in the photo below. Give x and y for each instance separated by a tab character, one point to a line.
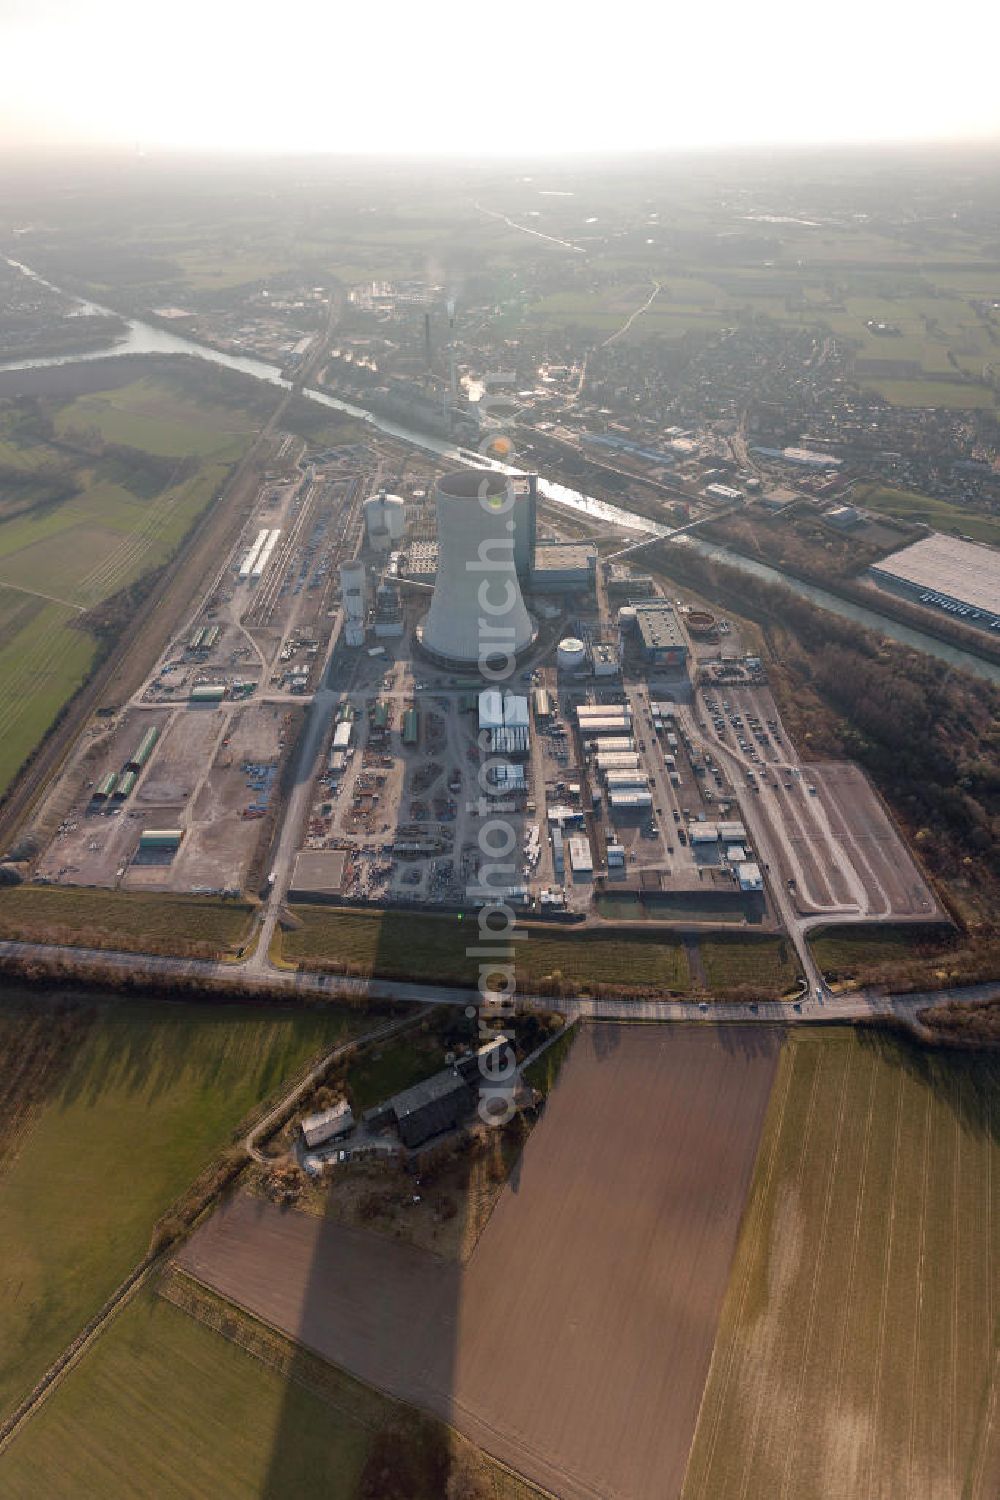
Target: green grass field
952	394
849	948
393	1066
767	963
196	925
398	945
42	663
544	1071
859	1335
111	518
941	514
165	1405
154	416
151	1093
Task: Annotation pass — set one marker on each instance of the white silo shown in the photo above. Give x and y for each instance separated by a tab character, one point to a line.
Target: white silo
385	521
571	654
477	614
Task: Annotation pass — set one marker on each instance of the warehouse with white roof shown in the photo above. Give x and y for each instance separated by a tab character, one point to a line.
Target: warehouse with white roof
945	572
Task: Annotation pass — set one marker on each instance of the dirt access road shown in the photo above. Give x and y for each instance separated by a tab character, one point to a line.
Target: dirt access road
576	1342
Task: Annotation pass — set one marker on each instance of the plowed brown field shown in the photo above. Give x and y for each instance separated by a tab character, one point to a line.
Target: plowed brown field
576	1342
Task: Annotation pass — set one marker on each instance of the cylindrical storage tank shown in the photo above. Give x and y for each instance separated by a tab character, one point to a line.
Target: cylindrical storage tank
352	589
385	519
477	615
700	622
571	654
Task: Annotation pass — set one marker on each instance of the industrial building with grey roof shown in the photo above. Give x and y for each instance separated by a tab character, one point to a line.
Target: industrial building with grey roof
950	573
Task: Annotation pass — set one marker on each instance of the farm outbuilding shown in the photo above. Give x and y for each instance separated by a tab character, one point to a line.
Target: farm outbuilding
328	1124
437	1104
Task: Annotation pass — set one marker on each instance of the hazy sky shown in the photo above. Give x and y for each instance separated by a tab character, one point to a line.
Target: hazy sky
494	78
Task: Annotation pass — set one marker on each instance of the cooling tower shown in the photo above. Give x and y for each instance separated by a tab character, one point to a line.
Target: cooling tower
477	615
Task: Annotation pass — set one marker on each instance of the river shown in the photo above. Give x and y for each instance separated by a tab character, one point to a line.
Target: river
144	338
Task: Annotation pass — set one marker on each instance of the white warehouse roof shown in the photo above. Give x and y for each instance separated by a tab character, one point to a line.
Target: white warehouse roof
965	571
580	857
491	709
750	877
630	799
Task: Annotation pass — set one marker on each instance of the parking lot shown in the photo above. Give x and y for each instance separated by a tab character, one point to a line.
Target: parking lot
834	846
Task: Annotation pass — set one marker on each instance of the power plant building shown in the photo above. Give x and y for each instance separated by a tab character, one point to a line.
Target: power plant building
661	635
353	599
477	615
564	567
385	521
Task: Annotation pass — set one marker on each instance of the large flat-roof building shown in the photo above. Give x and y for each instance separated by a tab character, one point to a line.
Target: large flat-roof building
661	635
945	572
563	567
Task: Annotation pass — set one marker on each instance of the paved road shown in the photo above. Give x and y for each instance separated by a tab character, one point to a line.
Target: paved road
853	1005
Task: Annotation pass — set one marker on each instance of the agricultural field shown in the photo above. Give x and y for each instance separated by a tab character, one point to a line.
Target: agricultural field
575	1342
767	963
393	945
846	949
957	395
45	656
857	1353
110	1111
183	1397
99	490
197	926
939	514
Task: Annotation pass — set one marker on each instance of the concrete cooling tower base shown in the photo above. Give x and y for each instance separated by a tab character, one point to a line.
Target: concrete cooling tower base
491	664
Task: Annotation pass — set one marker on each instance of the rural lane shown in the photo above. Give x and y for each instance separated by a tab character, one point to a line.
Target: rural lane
854	1005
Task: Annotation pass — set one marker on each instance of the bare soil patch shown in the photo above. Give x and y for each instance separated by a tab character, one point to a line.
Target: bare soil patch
576	1342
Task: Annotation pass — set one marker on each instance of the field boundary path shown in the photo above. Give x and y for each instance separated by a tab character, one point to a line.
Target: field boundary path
73	1351
140	1273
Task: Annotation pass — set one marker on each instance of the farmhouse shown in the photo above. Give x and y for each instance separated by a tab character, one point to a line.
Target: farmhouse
328	1125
